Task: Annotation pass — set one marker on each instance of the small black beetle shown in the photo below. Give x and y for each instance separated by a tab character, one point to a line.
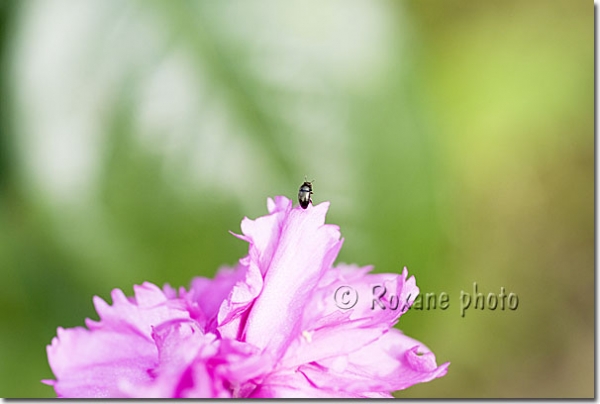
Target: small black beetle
304	193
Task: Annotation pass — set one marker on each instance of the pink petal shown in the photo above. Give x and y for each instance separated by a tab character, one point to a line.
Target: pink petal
182	372
332	340
302	247
149	307
117	349
240	298
394	362
296	385
329	331
91	364
240	362
210	293
383	298
222	301
197	365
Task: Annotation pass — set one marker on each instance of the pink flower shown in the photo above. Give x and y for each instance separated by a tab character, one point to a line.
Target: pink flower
270	327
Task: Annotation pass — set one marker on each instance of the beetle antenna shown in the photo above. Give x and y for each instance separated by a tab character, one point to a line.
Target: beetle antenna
306	179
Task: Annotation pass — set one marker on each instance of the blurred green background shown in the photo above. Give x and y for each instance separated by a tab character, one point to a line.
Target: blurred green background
453	137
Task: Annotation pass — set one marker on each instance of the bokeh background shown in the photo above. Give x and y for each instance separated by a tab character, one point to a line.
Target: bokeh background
455	138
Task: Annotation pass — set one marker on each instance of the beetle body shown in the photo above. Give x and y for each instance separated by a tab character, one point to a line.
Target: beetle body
304	194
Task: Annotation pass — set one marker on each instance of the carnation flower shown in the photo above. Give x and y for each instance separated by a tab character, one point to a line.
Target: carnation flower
272	326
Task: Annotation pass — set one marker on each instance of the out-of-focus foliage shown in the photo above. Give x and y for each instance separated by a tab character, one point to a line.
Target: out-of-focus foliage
455	138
